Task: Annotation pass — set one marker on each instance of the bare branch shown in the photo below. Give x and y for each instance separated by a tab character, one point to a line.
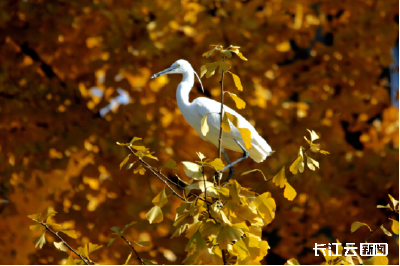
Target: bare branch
137	255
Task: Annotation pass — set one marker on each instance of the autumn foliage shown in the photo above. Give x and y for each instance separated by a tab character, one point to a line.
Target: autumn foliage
75	80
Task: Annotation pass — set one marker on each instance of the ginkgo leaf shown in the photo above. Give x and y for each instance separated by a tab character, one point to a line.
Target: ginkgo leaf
192	170
394	202
201	156
34	217
155	215
227	234
60	246
311	162
314	135
161	199
127	226
298	164
240	104
140	169
127	260
84	251
217	164
225	124
134	139
226	53
241	56
356	225
233	119
246	136
209	53
211	67
171	164
116	230
93	247
204	125
69	232
143	243
236	80
50	214
384	206
395	226
381	260
149	262
283	46
251	171
280	179
324	152
40	241
203	70
224	66
111	241
200	186
138	148
121	144
129	166
292	262
386	231
37	227
124	161
289	192
70	261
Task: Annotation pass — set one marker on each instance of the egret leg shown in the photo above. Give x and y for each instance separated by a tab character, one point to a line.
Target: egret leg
245	156
231	169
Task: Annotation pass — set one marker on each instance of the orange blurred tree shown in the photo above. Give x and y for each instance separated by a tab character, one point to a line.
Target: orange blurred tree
317	65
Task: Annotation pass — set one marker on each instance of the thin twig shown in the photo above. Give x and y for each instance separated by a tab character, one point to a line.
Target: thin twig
65	243
379	226
137	255
221	113
205	196
223	256
286	166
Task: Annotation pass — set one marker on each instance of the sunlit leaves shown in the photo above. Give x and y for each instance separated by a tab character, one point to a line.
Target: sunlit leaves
209	53
69	232
124	161
227	234
227	54
211	67
143	243
292	262
60	246
128	259
192	170
395	226
298	164
394	202
140	169
34	217
155	215
161	199
280	178
246	137
314	135
254	170
236	80
356	225
40	241
385	231
225	124
289	192
240	104
204	125
217	164
224	66
171	164
311	163
70	261
149	262
233	119
283	46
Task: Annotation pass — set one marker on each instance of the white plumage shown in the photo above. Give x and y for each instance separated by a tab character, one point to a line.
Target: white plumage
193	113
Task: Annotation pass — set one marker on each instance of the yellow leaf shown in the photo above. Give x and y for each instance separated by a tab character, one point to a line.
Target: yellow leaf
204	125
227	234
236	79
122	144
386	231
200	186
289	192
225	124
280	178
311	162
283	46
70	261
241	56
134	139
124	161
251	171
226	53
217	164
40	241
381	260
240	104
138	148
196	242
149	262
292	262
37	227
127	260
224	66
34	217
356	225
161	199
211	67
324	152
201	156
233	119
50	214
171	164
246	136
140	169
395	226
192	170
60	246
143	243
155	215
207	54
314	135
70	233
394	201
203	70
298	164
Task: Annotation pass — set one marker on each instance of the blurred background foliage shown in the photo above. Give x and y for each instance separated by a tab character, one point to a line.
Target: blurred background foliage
74	79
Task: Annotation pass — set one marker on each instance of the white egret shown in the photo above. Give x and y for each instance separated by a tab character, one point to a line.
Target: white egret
193	113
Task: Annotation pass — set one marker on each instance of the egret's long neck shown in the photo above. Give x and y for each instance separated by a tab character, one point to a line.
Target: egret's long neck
184	88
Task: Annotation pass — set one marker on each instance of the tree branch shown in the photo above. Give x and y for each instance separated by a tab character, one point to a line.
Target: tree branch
137	255
65	243
221	113
379	226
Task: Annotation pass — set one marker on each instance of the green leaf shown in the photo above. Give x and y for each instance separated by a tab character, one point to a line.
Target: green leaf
143	243
211	67
227	54
111	241
155	215
70	233
236	79
149	262
127	260
124	161
34	217
224	66
356	225
40	241
204	125
240	104
60	246
171	164
161	199
254	170
116	230
127	226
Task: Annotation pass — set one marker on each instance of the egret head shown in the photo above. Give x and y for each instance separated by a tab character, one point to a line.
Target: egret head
179	67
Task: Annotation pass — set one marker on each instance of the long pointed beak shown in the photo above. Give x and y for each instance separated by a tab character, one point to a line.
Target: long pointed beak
162	73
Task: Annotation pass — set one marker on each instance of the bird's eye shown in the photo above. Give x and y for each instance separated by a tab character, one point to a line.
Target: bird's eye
178	65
